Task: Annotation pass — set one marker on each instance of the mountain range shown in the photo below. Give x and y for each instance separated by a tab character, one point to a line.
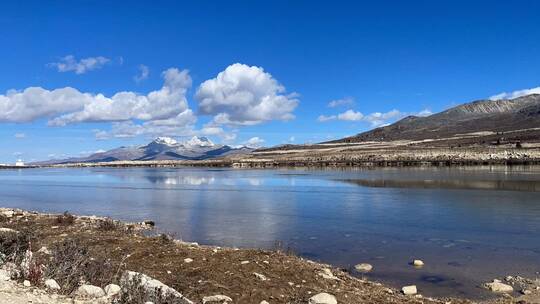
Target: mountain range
162	148
515	119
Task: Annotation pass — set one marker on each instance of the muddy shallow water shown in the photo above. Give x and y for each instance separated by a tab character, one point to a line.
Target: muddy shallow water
469	225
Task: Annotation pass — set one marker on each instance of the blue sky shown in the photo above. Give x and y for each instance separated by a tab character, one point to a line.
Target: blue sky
282	63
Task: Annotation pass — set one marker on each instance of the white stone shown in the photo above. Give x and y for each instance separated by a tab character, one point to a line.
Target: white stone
327	274
51	284
216	298
90	291
261	277
151	285
188	260
244	262
26	283
44	250
418	263
112	290
4	275
7	230
364	267
323	298
264	302
409	290
499	287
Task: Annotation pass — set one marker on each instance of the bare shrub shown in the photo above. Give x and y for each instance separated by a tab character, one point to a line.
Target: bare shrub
3	218
281	247
109	225
35	273
65	219
134	292
15	244
71	264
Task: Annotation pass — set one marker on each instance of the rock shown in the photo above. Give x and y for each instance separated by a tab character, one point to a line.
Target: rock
90	291
526	291
188	260
216	298
4	275
244	262
264	302
51	284
418	263
327	274
499	287
151	285
8	213
44	250
26	283
364	267
323	298
409	290
149	223
112	290
7	230
261	277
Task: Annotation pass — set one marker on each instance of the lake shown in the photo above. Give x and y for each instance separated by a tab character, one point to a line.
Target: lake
468	224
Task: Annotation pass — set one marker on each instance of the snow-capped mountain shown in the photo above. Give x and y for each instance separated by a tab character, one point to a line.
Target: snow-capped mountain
162	148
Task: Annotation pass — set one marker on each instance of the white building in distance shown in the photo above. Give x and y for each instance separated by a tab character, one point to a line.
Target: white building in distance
19	163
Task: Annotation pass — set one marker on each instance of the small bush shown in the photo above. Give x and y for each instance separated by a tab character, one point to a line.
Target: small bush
65	219
109	225
35	273
71	264
3	218
13	245
280	247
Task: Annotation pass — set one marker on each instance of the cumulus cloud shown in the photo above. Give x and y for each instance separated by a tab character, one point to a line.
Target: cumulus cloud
376	119
347	101
144	71
71	64
20	135
161	112
245	95
515	94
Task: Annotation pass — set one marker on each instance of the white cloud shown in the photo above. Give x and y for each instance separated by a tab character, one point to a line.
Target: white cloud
70	64
245	95
324	118
376	119
347	101
515	94
350	115
254	142
20	135
162	104
292	139
161	112
144	71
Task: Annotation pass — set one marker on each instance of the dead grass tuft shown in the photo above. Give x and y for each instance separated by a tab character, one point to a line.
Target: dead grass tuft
65	219
70	265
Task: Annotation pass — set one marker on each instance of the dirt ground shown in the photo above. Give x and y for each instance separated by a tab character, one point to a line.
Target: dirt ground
246	276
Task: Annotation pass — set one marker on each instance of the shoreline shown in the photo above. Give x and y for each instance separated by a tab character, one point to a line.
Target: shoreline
244	275
322	156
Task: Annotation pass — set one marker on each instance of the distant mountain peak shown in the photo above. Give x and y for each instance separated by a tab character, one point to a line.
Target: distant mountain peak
162	140
197	141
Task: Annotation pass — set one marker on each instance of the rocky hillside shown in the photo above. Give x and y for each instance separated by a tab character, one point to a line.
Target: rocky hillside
484	117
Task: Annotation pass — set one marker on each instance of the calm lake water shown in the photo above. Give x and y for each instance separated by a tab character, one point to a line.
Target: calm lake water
469	225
